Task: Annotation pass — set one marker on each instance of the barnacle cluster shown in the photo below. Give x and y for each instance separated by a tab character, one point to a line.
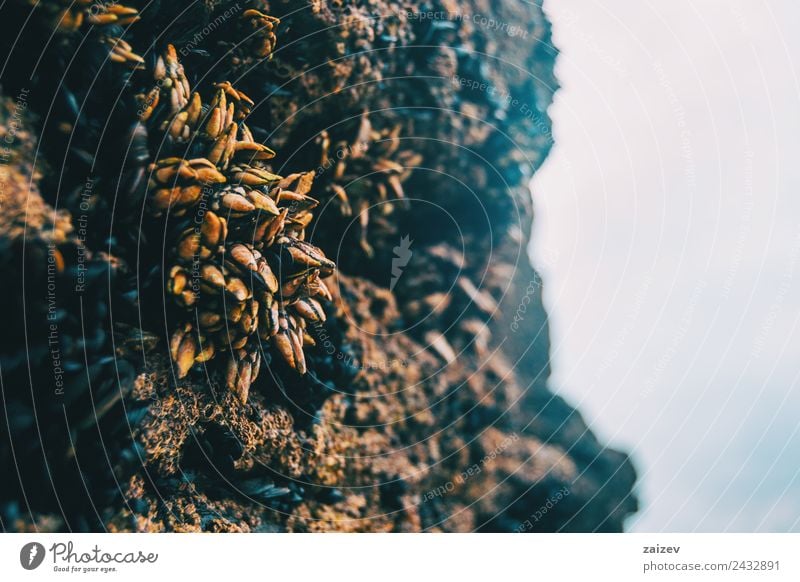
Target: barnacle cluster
367	169
70	15
240	269
256	32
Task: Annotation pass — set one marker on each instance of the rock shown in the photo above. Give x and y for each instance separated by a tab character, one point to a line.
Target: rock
425	405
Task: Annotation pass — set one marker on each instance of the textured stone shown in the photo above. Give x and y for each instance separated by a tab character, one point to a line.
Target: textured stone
427	406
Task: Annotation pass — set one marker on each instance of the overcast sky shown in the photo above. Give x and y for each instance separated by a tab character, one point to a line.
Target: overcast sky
671	205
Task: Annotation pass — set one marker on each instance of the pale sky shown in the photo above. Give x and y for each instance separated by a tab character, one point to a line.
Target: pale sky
668	234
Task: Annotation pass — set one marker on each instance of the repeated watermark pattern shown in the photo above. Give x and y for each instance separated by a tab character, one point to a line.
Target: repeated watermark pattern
471	471
478	19
787	277
12	128
208	29
326	344
679	112
525	109
53	337
545	508
82	233
402	256
202	208
530	291
341	153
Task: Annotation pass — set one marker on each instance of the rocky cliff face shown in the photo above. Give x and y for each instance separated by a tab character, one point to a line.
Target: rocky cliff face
422	401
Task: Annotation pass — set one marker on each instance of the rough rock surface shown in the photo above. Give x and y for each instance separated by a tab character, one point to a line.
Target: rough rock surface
426	405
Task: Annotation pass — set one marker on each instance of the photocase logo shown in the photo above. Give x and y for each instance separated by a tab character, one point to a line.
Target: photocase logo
402	255
31	555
